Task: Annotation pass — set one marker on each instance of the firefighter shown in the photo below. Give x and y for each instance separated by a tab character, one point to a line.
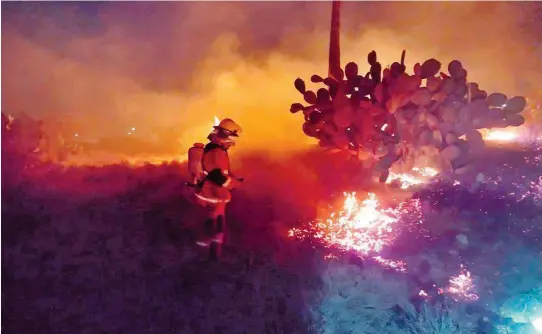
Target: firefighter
213	191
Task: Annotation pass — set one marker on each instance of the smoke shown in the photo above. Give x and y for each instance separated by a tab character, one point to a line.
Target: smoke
167	68
152	66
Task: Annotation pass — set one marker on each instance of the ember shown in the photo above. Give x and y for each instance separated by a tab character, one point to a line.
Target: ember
362	226
397	265
419	176
461	286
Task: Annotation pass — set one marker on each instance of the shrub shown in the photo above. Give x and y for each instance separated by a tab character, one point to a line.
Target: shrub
373	301
439	319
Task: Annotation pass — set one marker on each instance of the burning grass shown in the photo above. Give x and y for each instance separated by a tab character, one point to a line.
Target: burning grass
366	228
361	226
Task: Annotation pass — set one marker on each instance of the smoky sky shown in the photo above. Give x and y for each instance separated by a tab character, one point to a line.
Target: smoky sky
110	65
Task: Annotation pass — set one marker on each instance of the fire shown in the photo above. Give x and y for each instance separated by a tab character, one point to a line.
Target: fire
161	159
423	294
102	158
501	135
420	176
156	160
361	226
397	265
516	135
366	228
461	286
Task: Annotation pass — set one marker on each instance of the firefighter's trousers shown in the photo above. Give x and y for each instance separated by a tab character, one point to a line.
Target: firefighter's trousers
214	228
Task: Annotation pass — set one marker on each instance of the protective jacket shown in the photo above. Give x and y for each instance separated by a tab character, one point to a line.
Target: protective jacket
217	183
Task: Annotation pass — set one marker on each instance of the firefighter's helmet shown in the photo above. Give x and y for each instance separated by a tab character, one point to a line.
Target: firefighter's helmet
229	127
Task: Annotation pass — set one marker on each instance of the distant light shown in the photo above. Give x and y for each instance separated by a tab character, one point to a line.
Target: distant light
129	133
537	324
76	134
384	127
133	129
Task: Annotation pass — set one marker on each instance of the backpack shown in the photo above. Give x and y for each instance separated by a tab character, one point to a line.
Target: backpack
195	166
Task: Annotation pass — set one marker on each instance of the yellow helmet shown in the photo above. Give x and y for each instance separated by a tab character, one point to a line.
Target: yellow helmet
229	127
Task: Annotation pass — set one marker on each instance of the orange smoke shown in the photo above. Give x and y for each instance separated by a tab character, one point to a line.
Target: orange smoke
184	66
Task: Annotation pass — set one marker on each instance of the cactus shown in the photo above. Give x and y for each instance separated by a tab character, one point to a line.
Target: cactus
356	113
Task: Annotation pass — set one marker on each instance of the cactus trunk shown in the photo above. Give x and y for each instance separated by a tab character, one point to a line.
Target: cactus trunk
334	38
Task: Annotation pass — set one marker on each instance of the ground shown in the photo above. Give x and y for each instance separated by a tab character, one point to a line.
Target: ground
111	250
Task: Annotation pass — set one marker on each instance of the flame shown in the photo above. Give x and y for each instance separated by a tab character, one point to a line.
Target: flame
361	226
501	135
420	176
510	136
83	160
397	265
461	286
157	160
367	228
162	159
